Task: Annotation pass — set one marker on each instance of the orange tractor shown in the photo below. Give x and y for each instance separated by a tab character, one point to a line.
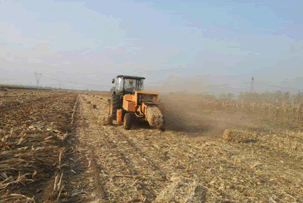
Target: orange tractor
129	103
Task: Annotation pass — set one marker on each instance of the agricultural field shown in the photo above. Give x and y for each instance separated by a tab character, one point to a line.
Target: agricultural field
55	146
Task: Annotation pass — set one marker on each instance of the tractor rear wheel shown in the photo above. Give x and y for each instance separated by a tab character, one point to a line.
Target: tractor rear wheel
114	105
127	121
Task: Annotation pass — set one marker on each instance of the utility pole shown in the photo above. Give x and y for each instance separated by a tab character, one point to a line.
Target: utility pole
252	84
59	82
38	76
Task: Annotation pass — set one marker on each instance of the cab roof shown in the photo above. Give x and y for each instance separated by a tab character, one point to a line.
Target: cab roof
130	77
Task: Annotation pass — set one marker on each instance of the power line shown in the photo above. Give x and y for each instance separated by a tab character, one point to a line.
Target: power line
252	84
65	81
38	77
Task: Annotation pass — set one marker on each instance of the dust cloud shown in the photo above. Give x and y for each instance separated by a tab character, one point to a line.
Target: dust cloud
187	109
190	113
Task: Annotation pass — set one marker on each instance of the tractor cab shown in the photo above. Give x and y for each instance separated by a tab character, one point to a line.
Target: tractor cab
127	84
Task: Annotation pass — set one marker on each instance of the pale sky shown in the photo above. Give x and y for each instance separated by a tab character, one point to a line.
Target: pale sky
216	44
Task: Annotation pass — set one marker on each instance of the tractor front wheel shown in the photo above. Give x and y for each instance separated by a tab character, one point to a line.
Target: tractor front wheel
127	121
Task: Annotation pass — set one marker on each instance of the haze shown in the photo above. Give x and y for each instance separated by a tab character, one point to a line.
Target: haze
212	46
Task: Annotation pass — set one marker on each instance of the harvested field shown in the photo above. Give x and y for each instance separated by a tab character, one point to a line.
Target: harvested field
55	147
34	134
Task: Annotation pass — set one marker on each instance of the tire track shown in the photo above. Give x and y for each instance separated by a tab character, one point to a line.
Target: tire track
142	154
122	136
128	170
146	190
130	158
102	193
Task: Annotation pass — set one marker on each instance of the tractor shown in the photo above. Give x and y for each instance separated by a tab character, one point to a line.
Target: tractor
129	103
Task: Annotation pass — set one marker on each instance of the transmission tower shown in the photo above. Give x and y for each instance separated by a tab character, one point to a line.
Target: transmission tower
252	84
38	76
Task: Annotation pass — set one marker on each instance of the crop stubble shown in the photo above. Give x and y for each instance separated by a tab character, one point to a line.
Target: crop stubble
33	145
201	169
108	164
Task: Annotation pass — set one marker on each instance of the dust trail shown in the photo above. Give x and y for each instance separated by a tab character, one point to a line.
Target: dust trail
189	109
190	113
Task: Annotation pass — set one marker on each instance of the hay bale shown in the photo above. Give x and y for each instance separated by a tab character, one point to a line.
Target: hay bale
106	120
229	135
239	136
155	117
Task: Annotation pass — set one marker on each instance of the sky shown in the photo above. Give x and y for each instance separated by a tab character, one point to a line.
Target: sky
217	45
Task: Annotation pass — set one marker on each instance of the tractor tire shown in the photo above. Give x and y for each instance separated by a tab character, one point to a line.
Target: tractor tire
109	101
114	105
127	121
